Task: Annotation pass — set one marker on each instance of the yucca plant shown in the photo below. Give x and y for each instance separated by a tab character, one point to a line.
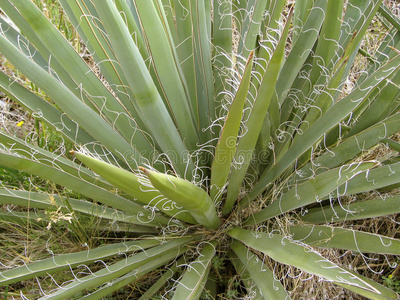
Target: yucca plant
213	136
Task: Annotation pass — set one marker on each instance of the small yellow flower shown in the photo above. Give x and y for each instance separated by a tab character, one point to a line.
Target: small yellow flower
20	123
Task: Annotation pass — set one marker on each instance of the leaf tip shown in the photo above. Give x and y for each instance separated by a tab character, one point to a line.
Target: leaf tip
144	170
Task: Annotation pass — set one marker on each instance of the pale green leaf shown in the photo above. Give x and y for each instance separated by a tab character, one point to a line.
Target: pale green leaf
77	184
166	252
193	279
312	190
353	211
248	142
283	250
133	276
268	286
326	122
130	183
66	261
143	88
167	69
168	274
68	205
245	277
351	147
226	147
69	103
342	238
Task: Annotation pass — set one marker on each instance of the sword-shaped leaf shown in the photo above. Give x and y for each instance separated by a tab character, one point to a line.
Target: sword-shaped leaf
166	252
353	211
352	146
268	286
134	276
282	249
245	277
248	142
342	238
167	68
155	114
316	132
194	278
310	191
85	83
65	261
168	274
86	188
226	147
129	183
68	205
68	102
